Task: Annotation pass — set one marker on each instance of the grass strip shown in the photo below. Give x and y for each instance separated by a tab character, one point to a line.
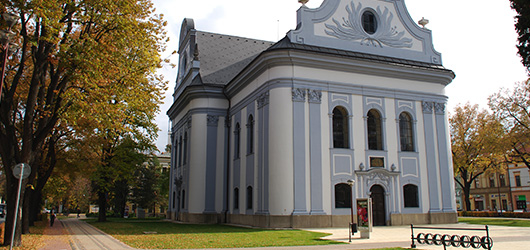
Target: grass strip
181	236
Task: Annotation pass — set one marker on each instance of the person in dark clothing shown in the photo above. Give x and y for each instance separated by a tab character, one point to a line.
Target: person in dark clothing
52	218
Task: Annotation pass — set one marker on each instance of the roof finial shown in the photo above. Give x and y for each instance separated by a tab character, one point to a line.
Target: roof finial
303	2
423	22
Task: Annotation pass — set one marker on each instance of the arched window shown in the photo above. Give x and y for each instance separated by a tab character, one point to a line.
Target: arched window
405	132
369	22
180	151
236	198
249	197
342	195
340	128
174	198
250	135
183	63
237	141
185	146
183	198
410	193
375	132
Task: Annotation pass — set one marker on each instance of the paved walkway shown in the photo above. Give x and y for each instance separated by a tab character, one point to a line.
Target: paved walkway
83	236
56	238
86	237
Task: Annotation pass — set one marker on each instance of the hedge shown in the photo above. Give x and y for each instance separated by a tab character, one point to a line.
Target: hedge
493	214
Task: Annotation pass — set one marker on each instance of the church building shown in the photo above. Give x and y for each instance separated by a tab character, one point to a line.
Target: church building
268	134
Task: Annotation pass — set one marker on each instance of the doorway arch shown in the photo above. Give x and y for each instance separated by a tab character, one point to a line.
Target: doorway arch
377	193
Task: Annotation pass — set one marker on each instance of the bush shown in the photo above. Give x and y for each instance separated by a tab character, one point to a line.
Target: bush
493	214
91	215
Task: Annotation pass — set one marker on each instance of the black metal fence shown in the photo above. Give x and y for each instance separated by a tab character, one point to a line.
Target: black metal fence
446	240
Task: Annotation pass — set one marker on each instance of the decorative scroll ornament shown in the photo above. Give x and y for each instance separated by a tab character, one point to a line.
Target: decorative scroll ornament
427	107
227	121
351	29
314	96
439	108
298	95
263	100
189	122
212	120
378	178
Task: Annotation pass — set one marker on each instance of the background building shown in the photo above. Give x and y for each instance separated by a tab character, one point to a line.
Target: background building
520	186
486	190
267	134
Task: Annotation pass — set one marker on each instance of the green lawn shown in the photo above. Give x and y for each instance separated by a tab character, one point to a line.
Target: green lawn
182	236
495	221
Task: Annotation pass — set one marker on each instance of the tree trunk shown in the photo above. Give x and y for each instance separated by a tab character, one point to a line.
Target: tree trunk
102	203
466	200
12	184
26	208
35	205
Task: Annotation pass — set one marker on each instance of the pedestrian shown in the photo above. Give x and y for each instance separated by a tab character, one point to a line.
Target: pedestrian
52	218
78	212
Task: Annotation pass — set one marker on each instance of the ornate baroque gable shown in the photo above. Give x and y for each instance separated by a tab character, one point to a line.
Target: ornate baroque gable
379	27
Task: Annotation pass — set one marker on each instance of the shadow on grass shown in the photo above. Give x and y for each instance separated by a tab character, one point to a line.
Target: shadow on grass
164	234
140	226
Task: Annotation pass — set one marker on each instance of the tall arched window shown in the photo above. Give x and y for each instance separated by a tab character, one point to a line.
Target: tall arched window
250	135
249	197
185	146
180	151
183	199
375	132
174	198
410	193
405	132
340	128
237	141
236	198
342	195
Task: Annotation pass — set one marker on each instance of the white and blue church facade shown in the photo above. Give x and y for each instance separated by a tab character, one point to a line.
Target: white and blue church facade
268	134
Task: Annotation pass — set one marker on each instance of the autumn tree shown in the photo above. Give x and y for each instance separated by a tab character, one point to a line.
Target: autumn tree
146	189
512	107
69	54
476	142
129	156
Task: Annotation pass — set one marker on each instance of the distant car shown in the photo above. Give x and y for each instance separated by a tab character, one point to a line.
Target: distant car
2	210
45	211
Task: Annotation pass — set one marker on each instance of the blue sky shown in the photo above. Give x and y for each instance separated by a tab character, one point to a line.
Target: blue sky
476	38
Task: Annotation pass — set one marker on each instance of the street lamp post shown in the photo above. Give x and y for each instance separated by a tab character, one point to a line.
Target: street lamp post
499	191
5	36
350	183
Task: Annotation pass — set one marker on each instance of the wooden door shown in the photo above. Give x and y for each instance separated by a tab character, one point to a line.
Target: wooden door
378	205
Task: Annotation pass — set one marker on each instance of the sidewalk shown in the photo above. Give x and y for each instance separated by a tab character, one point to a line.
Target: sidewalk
83	236
86	237
56	238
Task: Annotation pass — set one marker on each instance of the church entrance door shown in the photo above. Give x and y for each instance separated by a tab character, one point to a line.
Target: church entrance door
378	205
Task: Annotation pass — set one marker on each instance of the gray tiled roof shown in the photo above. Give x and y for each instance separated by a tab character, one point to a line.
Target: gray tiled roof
222	57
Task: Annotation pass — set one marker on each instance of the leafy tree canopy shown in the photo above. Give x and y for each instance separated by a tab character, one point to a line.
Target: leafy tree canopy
476	144
512	107
88	65
522	26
